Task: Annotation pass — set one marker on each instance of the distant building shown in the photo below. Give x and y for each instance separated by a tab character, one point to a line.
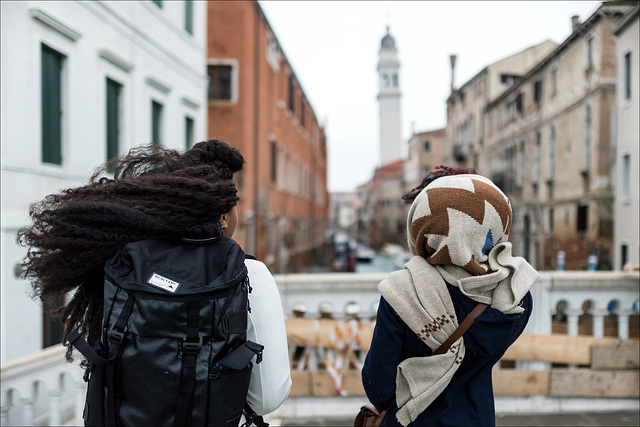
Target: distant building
257	104
342	211
389	101
388	224
426	150
465	106
364	212
547	143
83	81
626	206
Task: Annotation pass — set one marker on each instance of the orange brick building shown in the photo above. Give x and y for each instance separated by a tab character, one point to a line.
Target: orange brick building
256	104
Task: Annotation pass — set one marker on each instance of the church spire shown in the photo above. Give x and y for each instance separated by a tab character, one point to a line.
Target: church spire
389	100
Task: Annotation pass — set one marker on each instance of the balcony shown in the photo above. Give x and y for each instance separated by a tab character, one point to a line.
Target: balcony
555	372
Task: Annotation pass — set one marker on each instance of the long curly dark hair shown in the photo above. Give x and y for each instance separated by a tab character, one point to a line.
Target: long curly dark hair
155	193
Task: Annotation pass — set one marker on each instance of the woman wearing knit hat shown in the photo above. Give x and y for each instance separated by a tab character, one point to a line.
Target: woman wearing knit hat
457	231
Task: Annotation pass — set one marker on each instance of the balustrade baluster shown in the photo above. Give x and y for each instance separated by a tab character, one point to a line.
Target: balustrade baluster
80	388
55	408
572	322
4	416
598	323
623	324
27	412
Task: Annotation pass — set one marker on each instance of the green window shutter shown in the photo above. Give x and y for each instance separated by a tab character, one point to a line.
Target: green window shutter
156	122
188	132
51	106
113	118
188	16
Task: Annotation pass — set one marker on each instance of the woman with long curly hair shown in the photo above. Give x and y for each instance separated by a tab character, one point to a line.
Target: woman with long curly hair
154	194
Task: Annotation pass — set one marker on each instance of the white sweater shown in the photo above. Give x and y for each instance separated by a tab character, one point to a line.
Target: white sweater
271	379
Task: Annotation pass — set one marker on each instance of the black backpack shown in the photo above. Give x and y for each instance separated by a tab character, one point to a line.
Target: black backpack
174	347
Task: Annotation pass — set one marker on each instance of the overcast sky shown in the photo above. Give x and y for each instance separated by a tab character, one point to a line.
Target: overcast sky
333	48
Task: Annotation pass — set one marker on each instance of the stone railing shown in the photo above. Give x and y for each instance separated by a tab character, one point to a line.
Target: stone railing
338	308
41	389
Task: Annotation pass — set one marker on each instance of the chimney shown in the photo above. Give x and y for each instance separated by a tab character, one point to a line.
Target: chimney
575	23
453	66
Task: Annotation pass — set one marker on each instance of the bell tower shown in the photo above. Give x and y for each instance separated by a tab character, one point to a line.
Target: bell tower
389	101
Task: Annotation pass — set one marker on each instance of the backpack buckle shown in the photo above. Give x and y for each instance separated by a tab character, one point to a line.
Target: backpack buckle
116	336
190	346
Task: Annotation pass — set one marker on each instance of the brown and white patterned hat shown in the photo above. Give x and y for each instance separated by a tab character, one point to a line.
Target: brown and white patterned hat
457	220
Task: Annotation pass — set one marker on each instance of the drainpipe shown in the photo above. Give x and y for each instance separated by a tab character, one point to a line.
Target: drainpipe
252	249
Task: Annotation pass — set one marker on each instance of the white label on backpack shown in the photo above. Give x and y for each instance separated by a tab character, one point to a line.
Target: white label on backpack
163	283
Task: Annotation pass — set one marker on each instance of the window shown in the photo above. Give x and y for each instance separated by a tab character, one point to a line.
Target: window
535	173
582	221
291	93
158	3
550	220
113	118
219	82
273	158
52	328
625	178
624	255
52	63
627	77
537	91
521	165
552	153
395	80
554	80
156	122
427	145
587	139
302	112
589	53
273	54
509	79
188	16
188	132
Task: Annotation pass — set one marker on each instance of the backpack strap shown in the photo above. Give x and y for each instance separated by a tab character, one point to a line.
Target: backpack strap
76	340
251	417
190	348
116	339
462	328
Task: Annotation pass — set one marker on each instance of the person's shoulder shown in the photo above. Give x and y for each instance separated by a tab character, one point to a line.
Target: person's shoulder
255	267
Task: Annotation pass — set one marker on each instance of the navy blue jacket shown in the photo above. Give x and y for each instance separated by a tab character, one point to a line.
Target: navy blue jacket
468	400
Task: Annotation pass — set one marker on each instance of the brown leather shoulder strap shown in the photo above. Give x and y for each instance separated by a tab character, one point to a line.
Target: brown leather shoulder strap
466	324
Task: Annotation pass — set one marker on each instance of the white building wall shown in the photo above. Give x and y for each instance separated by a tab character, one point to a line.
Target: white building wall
141	46
626	209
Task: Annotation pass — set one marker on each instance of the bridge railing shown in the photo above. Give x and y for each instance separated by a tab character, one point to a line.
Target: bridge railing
329	343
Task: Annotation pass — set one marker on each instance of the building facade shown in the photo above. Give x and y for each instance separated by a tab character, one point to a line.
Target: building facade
257	104
389	222
81	83
465	106
626	206
548	145
426	150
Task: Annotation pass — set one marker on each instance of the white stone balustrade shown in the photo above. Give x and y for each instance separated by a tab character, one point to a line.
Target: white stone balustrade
43	389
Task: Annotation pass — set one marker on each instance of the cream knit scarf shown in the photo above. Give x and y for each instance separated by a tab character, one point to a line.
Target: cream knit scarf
471	254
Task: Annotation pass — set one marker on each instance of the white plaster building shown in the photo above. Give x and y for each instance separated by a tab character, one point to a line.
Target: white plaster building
82	81
389	101
626	229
